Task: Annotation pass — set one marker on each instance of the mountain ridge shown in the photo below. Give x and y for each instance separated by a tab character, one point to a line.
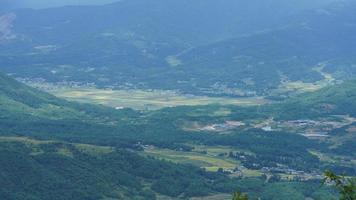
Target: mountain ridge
158	45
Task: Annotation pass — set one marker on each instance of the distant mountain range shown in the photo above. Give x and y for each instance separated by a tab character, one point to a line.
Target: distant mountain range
199	47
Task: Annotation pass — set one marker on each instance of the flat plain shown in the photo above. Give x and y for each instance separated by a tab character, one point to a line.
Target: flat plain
146	100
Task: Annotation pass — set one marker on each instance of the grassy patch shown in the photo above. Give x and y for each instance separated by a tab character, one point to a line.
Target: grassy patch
23	140
36	149
209	161
301	86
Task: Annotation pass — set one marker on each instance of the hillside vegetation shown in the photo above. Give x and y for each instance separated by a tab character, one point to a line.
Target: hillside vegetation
239	53
103	151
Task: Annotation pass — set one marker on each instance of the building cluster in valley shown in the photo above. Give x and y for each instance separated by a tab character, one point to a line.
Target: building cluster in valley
313	129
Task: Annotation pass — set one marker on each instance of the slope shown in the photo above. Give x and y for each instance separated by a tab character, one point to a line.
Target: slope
142	44
62	168
312	42
17	98
334	100
33	169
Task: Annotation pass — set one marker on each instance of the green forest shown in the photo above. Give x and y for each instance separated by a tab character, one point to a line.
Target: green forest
43	155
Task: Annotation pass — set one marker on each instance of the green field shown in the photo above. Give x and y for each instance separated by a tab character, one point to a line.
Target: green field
209	160
144	100
300	86
92	150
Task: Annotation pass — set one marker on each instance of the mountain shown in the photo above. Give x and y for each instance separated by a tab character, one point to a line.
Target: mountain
19	100
335	100
330	102
156	21
58	164
57	146
325	117
312	45
33	169
26	111
297	53
142	44
44	170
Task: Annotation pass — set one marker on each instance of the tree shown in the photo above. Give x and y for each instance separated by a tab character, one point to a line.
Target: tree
239	196
346	186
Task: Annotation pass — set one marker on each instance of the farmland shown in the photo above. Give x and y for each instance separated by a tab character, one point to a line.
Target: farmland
211	158
141	99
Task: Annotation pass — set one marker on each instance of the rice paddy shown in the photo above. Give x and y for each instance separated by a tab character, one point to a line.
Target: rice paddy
146	100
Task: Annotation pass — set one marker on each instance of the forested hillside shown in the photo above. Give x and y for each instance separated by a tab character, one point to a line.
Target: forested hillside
17	99
122	45
37	169
51	170
177	99
116	140
335	100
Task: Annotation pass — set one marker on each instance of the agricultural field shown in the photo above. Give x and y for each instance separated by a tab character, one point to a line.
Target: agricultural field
211	158
216	158
142	99
301	87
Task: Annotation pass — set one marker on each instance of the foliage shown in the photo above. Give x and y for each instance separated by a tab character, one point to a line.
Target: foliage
44	117
346	186
55	170
162	56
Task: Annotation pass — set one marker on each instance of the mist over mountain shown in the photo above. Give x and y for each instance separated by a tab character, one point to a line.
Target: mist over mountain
183	44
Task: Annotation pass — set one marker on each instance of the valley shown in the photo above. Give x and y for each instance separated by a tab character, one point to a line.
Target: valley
244	142
239	142
178	99
217	116
139	99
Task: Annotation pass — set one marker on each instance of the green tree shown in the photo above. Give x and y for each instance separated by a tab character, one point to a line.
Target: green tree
346	186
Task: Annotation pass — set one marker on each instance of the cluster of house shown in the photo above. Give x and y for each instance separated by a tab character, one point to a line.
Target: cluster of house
302	175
